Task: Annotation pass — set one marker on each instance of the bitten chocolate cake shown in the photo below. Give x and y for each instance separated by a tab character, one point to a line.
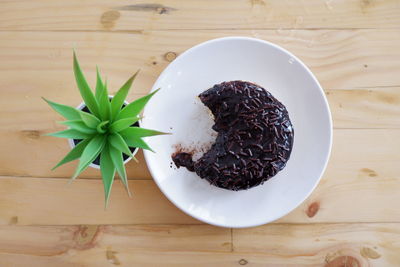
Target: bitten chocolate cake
255	137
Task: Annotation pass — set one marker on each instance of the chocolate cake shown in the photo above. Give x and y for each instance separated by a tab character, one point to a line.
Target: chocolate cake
254	141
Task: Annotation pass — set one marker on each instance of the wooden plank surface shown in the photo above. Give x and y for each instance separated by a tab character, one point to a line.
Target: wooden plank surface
200	245
363	166
351	219
351	244
365	108
60	239
352	108
364	72
102	15
341	59
27	201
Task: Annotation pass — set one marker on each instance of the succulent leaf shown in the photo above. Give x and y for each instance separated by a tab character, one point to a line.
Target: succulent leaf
120	125
78	125
90	153
68	112
74	154
118	142
99	85
102	98
89	119
70	133
86	92
133	141
107	169
134	108
100	126
116	157
120	96
137	132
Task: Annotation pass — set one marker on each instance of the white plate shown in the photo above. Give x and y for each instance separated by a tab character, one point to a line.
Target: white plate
176	109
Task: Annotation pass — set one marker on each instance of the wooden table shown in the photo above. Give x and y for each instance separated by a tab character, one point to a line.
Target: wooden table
351	219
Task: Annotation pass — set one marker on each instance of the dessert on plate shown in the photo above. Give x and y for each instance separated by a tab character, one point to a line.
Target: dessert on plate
254	141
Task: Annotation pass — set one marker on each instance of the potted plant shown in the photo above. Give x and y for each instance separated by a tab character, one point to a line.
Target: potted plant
104	130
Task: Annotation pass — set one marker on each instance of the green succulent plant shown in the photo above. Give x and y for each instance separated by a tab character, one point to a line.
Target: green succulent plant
105	131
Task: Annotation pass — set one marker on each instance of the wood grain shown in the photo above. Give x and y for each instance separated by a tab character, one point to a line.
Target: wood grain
376	108
366	108
340	59
363	166
361	173
102	15
56	240
363	64
26	201
364	244
351	219
201	245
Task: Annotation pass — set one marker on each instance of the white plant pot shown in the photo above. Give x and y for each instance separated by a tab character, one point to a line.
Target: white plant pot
72	144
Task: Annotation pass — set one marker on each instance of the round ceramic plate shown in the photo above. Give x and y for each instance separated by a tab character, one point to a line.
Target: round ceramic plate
176	109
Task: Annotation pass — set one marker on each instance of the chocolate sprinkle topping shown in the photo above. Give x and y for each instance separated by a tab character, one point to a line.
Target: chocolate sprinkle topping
254	141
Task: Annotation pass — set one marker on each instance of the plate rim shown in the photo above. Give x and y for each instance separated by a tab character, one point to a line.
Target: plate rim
325	102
